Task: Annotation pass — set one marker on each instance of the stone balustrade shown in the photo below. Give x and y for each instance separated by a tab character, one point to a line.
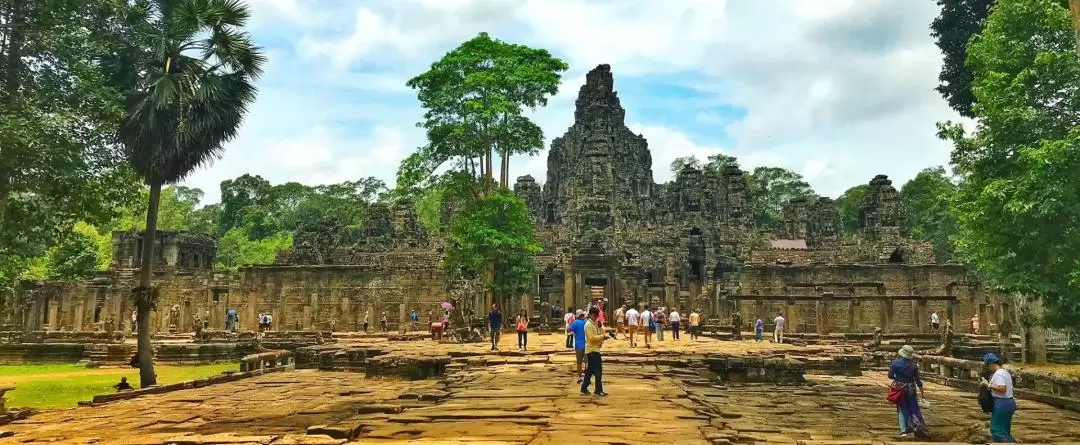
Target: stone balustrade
265	360
1053	389
3	402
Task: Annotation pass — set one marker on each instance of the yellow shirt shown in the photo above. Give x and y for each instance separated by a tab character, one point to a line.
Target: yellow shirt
695	319
594	336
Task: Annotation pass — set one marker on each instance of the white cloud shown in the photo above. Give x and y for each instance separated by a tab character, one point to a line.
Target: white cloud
838	90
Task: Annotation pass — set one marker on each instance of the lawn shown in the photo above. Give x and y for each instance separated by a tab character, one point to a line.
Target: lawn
63	386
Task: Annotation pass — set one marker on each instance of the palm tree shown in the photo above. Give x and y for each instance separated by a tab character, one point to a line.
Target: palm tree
188	77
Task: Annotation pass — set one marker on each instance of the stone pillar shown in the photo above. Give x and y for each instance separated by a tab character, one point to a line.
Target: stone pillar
402	316
312	318
789	317
886	315
54	315
306	322
568	288
984	321
950	312
854	315
77	317
920	311
823	324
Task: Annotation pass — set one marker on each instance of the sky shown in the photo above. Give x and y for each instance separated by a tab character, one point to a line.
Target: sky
836	90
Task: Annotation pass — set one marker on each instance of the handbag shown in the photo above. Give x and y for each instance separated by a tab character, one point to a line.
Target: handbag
986	400
894	394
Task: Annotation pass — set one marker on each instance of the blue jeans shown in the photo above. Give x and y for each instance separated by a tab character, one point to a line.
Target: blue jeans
675	330
594	367
1001	420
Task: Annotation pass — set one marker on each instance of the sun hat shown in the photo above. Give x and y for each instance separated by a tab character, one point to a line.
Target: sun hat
906	352
579	312
990	357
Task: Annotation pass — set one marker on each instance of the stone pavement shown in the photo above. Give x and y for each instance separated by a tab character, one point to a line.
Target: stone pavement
528	403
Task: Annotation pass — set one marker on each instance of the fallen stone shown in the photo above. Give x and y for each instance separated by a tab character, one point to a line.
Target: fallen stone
380	408
339	431
293	439
223	438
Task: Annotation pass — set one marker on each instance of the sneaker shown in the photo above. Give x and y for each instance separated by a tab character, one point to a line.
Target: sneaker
600	394
904	435
584	393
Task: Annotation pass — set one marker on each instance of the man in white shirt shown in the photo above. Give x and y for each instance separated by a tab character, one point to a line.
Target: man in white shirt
673	320
935	321
568	319
632	321
778	333
644	322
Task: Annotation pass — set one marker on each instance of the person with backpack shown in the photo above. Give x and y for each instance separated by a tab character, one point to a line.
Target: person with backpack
1001	389
523	330
647	326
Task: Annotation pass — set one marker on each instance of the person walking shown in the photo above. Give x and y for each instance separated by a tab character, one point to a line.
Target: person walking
907	386
975	324
695	324
620	320
674	318
778	331
523	330
594	339
367	320
383	322
577	329
661	322
1001	388
759	330
568	320
647	324
494	320
632	321
935	321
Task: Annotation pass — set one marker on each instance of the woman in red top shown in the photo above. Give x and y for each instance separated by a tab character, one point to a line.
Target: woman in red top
523	330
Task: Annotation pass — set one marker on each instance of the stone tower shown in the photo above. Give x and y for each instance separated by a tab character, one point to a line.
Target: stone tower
796	219
881	212
825	229
599	166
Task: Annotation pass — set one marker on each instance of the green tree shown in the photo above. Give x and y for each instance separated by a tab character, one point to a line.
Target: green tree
239	193
927	198
74	258
682	163
1016	203
58	162
953	28
237	248
473	98
494	232
715	165
848	206
189	76
771	189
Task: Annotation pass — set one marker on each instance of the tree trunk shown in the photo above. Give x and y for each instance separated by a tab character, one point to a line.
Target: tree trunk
5	191
147	377
489	179
1074	10
504	176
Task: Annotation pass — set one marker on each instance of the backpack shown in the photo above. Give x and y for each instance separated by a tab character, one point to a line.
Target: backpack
986	400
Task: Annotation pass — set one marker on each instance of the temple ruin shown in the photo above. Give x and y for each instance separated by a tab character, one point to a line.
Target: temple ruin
608	230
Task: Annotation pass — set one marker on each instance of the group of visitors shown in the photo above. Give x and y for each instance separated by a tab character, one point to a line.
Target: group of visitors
629	322
586	336
383	322
521	325
906	392
779	323
265	321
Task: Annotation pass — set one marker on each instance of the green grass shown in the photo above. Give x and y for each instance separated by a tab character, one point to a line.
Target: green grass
63	386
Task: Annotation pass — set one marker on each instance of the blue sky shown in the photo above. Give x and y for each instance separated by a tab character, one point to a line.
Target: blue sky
838	90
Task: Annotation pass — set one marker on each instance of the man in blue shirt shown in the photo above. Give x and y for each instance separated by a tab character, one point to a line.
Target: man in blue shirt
578	329
495	325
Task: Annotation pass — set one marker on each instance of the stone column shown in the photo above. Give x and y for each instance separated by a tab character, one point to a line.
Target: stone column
581	296
984	321
950	312
823	313
402	316
54	314
854	315
886	315
77	318
306	322
759	310
921	322
568	288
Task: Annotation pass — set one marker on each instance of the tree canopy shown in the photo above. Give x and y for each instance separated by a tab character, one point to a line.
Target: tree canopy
771	189
927	200
953	28
1016	203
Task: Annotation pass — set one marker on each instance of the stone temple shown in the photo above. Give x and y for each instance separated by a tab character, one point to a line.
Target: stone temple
608	230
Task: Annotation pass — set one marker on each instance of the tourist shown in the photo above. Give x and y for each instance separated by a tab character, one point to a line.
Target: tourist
975	324
494	321
778	330
620	321
904	373
135	321
1001	387
123	385
759	330
269	321
262	321
577	330
568	319
647	325
594	339
523	330
695	323
673	320
230	320
383	322
633	319
414	318
367	320
661	322
935	321
206	319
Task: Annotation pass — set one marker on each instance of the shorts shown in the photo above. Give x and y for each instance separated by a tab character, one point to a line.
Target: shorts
580	354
